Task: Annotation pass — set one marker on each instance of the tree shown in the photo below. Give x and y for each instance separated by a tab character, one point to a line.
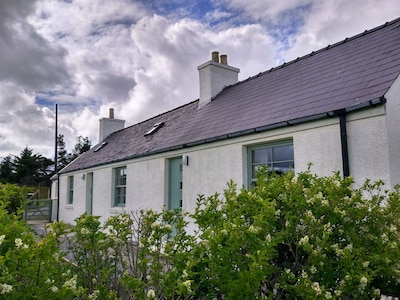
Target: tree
7	170
62	154
82	145
32	169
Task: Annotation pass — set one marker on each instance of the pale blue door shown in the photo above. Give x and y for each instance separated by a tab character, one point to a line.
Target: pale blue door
175	183
89	193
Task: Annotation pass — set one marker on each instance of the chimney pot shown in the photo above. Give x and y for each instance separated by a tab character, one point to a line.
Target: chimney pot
224	59
111	113
215	56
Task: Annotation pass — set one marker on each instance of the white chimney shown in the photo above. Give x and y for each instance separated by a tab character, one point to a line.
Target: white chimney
109	125
214	76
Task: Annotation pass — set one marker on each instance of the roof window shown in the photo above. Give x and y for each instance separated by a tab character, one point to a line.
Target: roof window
100	146
154	128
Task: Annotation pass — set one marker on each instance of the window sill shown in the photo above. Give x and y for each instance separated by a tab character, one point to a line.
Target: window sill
69	206
117	210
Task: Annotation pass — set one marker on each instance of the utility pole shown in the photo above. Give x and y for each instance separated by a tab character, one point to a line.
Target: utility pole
56	162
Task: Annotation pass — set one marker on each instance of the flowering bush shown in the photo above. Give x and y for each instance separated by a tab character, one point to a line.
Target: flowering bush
301	237
288	237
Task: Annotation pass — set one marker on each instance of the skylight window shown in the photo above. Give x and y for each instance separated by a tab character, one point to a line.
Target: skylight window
100	146
154	128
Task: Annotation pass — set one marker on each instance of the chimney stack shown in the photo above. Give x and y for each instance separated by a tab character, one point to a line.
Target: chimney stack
109	125
214	75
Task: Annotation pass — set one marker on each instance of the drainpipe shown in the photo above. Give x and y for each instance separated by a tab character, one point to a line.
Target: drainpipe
343	142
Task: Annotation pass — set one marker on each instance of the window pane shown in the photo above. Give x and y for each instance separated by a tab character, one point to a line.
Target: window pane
120	186
262	156
284	166
283	153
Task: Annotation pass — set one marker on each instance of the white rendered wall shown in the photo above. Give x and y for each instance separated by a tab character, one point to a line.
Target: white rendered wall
319	146
393	130
368	146
69	212
209	171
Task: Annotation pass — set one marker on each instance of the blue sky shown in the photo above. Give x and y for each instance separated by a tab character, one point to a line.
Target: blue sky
140	57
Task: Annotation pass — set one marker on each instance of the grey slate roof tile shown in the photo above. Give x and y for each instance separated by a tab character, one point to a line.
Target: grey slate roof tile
339	76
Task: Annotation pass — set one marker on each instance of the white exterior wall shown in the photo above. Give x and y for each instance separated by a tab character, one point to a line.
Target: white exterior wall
393	130
211	166
69	212
368	146
319	146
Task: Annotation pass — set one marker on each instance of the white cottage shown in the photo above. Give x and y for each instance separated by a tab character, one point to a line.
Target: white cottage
337	108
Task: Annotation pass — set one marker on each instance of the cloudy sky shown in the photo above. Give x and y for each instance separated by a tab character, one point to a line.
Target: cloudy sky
141	56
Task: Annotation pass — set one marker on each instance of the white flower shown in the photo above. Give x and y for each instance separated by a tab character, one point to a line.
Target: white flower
268	238
363	282
304	240
365	264
94	295
151	294
187	284
338	293
325	202
277	212
18	243
6	288
54	289
349	247
313	270
155	225
168	227
328	295
377	292
85	231
71	283
316	287
2	237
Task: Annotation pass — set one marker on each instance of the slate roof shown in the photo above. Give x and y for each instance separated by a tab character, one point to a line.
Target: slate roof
348	75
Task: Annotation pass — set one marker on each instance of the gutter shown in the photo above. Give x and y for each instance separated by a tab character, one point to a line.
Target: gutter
339	112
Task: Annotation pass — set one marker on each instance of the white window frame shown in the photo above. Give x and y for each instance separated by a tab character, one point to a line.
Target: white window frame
70	190
119	187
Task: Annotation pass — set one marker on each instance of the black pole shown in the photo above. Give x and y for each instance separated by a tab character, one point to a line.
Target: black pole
56	163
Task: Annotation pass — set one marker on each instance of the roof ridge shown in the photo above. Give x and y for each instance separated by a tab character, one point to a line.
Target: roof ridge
346	40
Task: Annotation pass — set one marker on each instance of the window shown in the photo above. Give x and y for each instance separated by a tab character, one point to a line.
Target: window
154	128
277	156
120	186
70	199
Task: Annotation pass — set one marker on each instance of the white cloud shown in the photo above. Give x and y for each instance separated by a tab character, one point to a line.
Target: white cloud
92	55
332	21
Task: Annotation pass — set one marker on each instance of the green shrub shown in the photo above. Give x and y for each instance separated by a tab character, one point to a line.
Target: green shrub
14	197
288	237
